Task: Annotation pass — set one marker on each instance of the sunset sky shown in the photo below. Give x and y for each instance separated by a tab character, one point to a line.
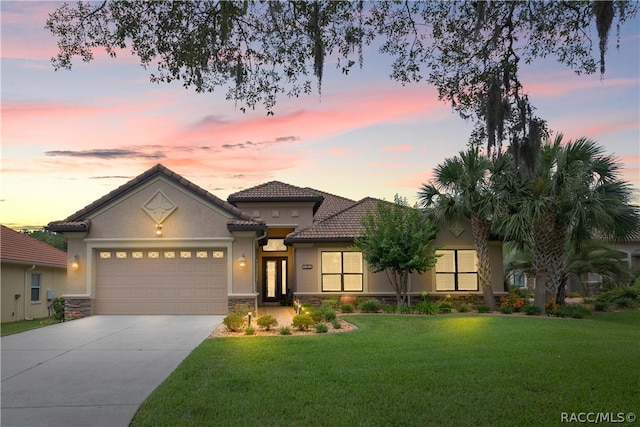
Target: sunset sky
70	137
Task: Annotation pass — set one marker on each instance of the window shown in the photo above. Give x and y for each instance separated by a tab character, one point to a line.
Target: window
35	287
457	270
342	271
275	245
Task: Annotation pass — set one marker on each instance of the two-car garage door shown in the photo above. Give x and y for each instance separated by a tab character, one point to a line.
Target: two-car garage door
161	281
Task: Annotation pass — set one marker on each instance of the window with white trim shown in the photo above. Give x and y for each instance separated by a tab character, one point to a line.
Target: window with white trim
457	270
36	285
342	271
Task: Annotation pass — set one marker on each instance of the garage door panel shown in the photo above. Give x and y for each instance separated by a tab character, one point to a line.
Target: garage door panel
176	281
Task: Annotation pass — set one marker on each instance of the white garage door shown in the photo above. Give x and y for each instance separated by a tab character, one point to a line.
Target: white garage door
162	281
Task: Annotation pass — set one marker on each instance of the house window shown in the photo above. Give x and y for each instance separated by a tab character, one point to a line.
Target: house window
342	271
36	280
457	270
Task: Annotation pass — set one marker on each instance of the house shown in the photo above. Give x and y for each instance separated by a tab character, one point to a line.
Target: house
160	244
33	273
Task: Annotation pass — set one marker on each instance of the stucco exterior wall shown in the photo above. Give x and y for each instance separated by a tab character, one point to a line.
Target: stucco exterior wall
128	219
16	279
280	213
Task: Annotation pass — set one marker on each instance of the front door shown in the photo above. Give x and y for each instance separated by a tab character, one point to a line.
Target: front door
274	278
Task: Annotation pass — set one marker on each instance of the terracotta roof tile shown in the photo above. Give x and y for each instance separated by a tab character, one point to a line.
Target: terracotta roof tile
19	247
343	226
331	205
274	190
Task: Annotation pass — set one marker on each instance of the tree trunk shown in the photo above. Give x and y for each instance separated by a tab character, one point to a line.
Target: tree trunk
544	246
480	229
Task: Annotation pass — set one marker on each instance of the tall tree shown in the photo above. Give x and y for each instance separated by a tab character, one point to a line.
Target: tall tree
575	196
461	187
257	51
397	239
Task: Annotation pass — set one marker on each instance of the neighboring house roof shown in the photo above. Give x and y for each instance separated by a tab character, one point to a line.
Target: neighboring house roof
20	248
79	221
276	191
343	226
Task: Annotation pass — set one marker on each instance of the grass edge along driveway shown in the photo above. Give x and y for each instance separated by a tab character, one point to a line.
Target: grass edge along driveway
410	370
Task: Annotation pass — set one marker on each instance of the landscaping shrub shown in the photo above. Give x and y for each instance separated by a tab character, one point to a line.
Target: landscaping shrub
347	308
426	307
625	302
445	307
333	303
285	330
601	306
482	308
506	309
336	323
250	330
532	310
313	311
234	322
267	322
328	313
513	300
371	305
389	309
57	304
405	309
575	311
550	307
321	328
620	291
302	322
465	308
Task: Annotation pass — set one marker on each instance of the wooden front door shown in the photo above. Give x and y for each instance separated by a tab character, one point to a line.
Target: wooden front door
274	278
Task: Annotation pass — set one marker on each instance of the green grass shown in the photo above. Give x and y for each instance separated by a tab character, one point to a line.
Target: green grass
11	328
408	371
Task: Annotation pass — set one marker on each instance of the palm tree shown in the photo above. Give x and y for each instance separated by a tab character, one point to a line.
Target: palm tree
461	188
575	196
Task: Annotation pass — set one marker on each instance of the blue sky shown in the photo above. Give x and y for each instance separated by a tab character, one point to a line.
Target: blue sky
69	137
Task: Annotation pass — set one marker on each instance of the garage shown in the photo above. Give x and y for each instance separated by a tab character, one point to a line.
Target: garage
161	281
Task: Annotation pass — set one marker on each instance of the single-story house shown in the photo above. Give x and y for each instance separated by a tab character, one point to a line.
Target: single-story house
33	273
160	244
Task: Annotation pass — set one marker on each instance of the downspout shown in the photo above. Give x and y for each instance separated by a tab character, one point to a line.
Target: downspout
26	290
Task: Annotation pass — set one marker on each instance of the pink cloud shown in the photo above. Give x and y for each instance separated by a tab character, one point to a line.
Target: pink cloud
403	147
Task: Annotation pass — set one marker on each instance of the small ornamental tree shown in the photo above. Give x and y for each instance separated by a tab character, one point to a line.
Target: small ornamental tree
397	240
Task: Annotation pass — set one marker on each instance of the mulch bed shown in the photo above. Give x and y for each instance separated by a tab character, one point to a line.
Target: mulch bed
221	331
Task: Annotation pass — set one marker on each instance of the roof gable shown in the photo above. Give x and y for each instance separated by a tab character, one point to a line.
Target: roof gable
19	247
79	221
343	226
331	205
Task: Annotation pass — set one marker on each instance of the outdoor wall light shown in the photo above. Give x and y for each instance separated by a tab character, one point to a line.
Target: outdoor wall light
242	261
75	264
158	230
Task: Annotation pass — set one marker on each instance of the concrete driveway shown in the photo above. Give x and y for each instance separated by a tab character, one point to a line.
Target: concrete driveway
95	371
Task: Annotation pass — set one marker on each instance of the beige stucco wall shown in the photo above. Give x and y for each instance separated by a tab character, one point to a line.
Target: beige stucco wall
16	279
281	213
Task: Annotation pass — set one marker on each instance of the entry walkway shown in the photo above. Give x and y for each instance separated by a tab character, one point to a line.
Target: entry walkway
95	371
284	315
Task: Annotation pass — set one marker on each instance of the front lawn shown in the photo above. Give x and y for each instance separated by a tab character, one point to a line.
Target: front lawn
11	328
408	371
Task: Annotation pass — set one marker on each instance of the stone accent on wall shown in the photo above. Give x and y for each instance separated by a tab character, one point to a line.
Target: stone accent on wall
241	302
77	308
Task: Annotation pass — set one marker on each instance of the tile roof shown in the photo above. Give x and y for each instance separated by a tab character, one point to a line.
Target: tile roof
79	219
331	205
343	226
19	247
276	191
